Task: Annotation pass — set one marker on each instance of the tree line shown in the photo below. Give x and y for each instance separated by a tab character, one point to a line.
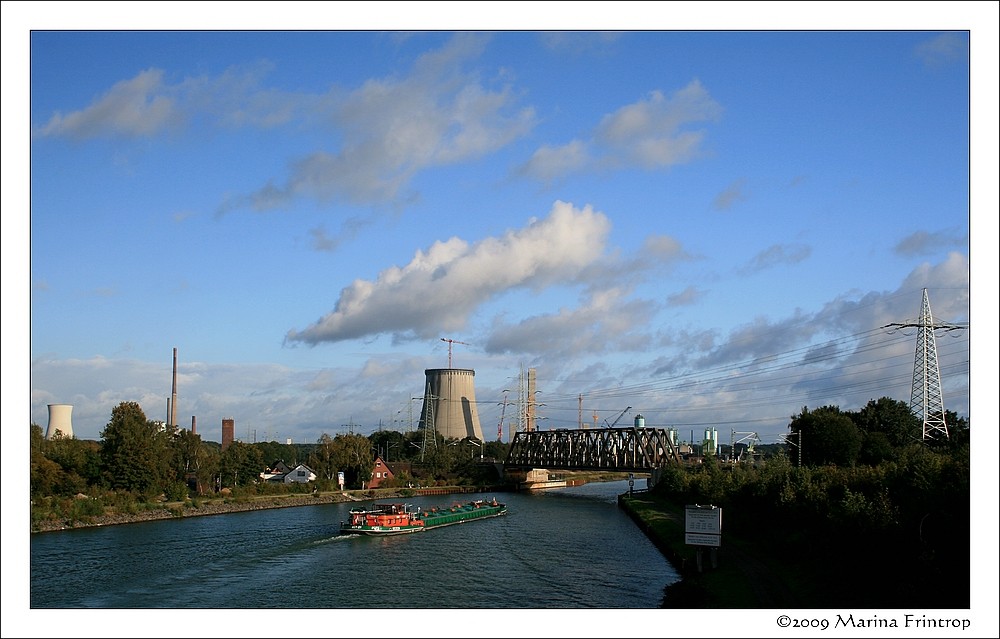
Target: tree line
139	457
865	512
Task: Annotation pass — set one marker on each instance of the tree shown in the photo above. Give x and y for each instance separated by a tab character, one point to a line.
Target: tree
389	444
827	436
323	458
890	417
886	425
352	454
195	462
273	451
134	451
240	465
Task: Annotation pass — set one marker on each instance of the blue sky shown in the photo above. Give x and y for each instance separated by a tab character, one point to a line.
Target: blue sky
711	228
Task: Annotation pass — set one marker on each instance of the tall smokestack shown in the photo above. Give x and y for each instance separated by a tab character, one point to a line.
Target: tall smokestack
194	426
173	394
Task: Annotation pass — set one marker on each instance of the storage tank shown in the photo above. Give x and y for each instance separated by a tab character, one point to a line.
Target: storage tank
640	421
711	441
450	400
60	421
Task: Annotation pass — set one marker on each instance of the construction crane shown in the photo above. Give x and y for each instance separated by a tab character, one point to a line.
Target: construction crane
450	342
750	438
620	415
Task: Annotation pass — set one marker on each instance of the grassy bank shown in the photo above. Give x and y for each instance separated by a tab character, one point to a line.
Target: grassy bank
737	580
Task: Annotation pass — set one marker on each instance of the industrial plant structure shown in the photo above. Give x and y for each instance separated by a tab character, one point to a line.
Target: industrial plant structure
60	421
228	432
449	405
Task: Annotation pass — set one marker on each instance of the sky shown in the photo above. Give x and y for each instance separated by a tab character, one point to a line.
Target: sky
709	229
712	221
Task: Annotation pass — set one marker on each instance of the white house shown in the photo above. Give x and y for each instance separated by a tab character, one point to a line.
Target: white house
301	474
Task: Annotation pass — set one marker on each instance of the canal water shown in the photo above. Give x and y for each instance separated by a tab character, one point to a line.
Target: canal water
567	548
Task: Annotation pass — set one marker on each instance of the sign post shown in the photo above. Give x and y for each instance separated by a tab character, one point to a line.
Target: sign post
703	527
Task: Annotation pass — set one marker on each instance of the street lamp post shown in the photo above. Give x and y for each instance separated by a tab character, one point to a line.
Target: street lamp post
472	453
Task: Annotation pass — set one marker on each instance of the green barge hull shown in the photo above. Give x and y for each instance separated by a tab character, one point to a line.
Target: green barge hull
401	519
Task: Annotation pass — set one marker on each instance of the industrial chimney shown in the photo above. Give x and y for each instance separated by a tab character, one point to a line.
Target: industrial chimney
173	395
60	421
228	432
450	401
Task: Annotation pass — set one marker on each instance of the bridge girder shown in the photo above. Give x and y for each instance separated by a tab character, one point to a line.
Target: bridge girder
617	449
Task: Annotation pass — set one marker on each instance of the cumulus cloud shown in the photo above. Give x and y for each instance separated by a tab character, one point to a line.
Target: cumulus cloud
653	133
442	286
837	354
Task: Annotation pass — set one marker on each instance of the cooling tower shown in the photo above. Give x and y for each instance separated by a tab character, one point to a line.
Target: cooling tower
450	397
60	420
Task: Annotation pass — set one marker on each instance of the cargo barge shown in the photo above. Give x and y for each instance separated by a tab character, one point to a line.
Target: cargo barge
400	519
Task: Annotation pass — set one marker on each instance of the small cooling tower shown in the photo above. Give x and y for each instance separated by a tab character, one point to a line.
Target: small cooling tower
60	420
450	403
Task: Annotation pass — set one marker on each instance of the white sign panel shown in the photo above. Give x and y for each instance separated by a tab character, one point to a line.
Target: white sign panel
698	539
703	519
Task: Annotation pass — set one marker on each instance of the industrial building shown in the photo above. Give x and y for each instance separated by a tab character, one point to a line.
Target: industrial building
60	421
449	405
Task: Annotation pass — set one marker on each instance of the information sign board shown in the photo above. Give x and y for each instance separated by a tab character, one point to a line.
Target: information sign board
702	525
699	539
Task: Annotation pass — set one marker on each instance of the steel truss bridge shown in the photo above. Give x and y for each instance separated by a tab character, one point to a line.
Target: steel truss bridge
618	449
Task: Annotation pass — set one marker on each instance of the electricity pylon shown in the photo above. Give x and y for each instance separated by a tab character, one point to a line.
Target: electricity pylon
926	400
430	425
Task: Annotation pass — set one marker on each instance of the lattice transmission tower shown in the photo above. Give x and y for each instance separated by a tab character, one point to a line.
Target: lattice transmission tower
926	400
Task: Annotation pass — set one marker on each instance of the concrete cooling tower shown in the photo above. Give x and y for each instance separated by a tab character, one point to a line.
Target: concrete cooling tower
60	420
450	403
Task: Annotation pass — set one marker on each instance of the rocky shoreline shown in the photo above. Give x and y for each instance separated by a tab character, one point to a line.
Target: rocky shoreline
210	507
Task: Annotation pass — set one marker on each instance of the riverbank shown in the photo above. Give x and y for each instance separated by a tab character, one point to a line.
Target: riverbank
735	579
224	505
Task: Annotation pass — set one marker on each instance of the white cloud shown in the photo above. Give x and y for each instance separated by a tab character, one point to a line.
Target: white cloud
385	131
393	128
653	133
440	288
140	107
768	367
